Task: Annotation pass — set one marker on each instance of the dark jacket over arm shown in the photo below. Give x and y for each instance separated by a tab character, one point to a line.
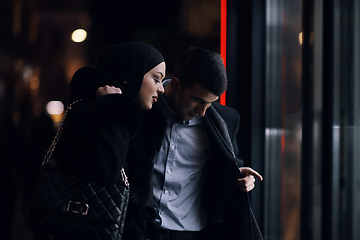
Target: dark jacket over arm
96	135
228	208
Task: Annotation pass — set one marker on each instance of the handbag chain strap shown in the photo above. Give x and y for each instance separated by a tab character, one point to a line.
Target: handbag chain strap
57	136
124	178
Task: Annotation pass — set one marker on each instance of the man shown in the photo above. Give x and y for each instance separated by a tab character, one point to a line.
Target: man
197	175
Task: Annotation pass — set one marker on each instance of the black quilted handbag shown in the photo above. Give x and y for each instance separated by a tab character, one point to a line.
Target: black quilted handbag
75	207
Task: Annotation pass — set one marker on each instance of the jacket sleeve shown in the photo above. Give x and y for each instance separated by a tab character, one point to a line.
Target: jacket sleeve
239	162
153	231
95	137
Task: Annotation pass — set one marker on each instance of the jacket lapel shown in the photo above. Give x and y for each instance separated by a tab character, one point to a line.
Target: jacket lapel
218	123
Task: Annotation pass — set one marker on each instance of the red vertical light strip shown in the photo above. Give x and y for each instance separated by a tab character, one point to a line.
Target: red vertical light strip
223	25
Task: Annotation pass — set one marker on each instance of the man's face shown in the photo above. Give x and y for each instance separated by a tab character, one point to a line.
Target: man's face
193	101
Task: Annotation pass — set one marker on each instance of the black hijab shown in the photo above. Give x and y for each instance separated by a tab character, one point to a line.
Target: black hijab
121	65
128	63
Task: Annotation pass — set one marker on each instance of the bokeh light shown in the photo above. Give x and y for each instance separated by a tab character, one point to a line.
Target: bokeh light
54	107
79	35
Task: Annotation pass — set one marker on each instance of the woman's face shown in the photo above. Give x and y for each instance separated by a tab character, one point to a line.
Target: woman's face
151	86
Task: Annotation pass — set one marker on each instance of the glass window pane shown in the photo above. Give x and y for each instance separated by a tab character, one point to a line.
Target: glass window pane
283	120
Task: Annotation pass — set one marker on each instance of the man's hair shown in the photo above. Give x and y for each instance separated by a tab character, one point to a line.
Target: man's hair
203	67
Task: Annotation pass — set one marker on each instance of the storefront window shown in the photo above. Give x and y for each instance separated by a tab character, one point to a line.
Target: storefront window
283	119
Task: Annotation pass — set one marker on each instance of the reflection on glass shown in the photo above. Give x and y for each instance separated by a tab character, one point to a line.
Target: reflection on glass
283	120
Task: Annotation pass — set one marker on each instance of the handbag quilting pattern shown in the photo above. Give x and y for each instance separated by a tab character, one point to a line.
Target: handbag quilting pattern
65	205
104	219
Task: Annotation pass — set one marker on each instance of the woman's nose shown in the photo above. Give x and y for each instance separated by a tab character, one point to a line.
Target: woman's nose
161	89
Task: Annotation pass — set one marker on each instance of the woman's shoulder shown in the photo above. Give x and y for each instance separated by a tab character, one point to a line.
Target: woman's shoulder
87	80
120	108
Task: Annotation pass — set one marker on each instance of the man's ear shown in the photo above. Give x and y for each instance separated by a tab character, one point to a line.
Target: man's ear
175	85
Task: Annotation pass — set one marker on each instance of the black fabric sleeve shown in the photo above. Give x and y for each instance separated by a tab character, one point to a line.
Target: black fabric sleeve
95	137
239	162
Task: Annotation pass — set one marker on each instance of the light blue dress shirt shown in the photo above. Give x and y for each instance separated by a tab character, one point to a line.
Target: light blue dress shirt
179	173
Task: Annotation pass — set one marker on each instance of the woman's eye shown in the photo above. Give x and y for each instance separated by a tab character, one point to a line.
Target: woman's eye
157	80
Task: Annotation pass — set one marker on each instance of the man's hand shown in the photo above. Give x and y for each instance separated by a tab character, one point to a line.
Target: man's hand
107	90
247	183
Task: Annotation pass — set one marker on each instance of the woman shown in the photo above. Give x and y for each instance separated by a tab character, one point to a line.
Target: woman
109	130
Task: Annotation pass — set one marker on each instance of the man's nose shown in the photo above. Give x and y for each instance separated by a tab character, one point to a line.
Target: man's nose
202	110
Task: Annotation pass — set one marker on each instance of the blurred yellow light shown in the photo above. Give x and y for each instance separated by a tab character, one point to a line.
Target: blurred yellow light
79	35
34	83
54	107
300	38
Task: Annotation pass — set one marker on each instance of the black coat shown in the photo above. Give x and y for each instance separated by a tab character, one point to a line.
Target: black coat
102	135
228	209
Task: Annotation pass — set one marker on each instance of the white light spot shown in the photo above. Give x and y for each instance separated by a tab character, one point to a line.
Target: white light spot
79	35
54	107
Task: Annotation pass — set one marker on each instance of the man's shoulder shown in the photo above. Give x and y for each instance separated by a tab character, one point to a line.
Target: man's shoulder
225	111
228	114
